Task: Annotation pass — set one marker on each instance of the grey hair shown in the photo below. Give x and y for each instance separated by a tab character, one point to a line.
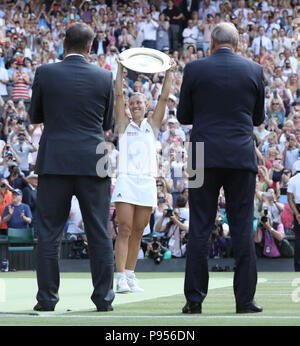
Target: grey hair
225	33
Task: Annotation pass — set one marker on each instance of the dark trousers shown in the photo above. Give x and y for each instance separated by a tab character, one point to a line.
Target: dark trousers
149	44
54	196
239	188
173	36
297	242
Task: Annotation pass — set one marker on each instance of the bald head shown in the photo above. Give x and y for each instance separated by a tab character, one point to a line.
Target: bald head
225	34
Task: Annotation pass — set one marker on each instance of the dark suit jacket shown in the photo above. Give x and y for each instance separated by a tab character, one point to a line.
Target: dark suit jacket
74	99
194	7
95	45
223	97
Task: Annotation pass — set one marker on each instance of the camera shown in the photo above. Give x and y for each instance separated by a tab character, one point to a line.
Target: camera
264	218
184	240
20	121
78	246
155	252
169	212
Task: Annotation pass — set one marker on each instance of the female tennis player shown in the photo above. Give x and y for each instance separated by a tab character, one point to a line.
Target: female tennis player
135	193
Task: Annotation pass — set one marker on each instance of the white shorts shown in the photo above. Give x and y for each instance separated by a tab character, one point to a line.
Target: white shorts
135	190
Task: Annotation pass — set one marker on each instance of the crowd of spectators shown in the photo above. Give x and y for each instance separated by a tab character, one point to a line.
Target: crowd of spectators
32	33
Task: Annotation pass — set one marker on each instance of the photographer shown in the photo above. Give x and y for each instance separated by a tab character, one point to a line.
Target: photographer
176	231
266	235
217	240
155	250
75	231
23	146
10	125
9	157
291	152
16	178
269	201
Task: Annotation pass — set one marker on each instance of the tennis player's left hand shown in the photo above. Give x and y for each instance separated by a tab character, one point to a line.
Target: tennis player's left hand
173	65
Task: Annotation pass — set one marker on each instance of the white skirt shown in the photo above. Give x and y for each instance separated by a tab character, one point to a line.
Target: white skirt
135	190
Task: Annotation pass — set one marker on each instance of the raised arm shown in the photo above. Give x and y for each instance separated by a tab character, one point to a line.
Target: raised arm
160	108
122	119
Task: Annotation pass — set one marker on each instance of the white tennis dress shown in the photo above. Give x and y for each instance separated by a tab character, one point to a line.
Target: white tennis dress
137	168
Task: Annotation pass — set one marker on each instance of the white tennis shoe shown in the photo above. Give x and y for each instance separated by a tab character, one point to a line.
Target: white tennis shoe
122	285
133	283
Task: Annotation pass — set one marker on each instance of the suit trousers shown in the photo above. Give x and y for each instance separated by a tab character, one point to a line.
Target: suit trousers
54	196
239	189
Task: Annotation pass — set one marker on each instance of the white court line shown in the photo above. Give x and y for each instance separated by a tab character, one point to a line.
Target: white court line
153	316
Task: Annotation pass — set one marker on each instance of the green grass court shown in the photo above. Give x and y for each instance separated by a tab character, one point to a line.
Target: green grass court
159	305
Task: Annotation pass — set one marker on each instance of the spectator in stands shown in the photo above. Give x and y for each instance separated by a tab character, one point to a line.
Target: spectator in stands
21	81
30	195
125	40
291	152
207	26
149	29
21	112
190	35
183	205
270	202
261	41
75	219
72	17
162	33
217	240
35	131
9	157
159	215
16	178
162	191
176	231
102	62
4	80
265	235
100	43
111	59
85	11
17	214
175	16
275	108
5	199
23	146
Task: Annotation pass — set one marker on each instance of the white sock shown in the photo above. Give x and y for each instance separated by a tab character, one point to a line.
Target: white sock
121	274
129	273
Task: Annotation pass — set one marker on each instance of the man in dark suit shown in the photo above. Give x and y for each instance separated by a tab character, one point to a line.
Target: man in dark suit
223	97
100	43
74	99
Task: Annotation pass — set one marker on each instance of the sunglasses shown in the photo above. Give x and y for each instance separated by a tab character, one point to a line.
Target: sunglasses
275	104
3	185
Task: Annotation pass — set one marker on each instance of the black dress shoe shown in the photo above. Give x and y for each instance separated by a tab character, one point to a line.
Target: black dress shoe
106	308
192	308
39	307
248	308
